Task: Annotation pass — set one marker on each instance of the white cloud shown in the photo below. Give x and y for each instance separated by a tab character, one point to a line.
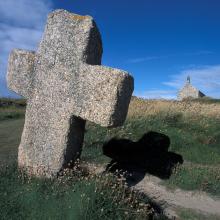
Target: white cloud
205	78
26	13
21	26
142	59
157	94
189	54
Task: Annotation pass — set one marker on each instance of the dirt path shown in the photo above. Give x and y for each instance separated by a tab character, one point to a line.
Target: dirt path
170	201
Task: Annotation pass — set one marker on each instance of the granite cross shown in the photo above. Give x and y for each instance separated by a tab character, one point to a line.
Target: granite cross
65	85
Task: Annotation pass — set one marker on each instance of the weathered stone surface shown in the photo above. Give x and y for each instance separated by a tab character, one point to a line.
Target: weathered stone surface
65	85
20	69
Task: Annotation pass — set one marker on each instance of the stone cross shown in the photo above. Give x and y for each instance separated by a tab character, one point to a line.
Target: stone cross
65	85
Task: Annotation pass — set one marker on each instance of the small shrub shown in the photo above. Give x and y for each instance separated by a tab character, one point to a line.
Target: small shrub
75	194
196	177
173	119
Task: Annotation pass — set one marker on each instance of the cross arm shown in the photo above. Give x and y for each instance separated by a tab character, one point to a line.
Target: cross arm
20	71
105	94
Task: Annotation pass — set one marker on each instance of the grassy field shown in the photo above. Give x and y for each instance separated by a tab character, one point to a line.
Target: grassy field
76	194
194	131
192	126
191	215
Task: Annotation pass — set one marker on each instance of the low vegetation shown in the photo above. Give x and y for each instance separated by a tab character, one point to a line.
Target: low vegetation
194	131
187	214
11	108
75	194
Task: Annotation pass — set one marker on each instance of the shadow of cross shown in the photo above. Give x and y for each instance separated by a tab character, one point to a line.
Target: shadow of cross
65	85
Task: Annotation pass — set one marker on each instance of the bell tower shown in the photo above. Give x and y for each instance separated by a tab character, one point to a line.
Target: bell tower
188	80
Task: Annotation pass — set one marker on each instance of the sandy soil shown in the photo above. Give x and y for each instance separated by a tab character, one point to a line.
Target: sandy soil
171	200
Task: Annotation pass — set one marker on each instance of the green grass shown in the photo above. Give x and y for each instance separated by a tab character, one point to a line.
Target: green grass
75	195
187	214
206	99
11	108
196	138
12	101
196	177
10	134
11	112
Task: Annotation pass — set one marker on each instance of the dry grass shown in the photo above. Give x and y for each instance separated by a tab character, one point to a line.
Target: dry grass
143	107
192	126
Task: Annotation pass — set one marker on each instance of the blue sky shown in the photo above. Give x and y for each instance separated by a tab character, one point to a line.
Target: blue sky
159	42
